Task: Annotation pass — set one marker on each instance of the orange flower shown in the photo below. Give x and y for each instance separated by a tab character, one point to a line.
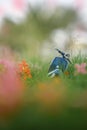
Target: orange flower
25	70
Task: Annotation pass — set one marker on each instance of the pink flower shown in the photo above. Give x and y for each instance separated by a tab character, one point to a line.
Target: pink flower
81	68
19	4
79	4
11	87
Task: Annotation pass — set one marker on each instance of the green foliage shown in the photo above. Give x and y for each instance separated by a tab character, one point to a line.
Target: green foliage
35	29
69	114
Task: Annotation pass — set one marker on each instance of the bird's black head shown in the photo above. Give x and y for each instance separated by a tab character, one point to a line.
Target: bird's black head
67	57
64	55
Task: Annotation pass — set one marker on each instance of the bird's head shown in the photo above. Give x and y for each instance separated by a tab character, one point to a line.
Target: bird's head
66	56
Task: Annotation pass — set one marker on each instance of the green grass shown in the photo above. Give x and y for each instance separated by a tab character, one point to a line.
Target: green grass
39	70
70	110
73	113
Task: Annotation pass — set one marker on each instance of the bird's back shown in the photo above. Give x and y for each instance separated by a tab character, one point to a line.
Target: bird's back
60	62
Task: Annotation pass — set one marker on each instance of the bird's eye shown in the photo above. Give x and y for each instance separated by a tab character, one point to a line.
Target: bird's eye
68	55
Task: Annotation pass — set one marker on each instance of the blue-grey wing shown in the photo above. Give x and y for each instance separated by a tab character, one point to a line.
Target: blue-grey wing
64	64
54	64
60	62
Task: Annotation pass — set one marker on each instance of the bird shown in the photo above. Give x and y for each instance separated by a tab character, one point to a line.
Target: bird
59	64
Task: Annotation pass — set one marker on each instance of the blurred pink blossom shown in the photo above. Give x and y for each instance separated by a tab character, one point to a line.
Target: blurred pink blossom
81	68
19	4
11	87
15	10
2	11
79	4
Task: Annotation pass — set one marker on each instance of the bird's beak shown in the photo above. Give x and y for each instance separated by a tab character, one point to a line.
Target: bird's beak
69	61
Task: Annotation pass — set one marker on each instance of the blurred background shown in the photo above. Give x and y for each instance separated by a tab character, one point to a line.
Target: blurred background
34	28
